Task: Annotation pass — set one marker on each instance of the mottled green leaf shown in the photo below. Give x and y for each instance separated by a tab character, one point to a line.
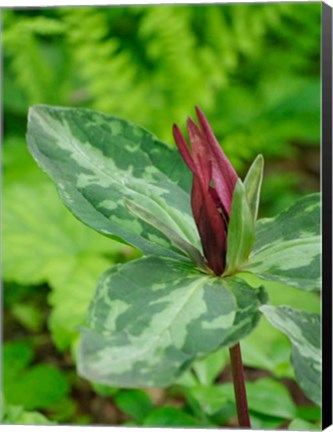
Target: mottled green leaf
152	317
287	248
252	184
167	230
266	347
240	230
303	330
98	161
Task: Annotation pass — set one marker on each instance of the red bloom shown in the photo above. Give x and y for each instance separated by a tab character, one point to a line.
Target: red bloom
214	180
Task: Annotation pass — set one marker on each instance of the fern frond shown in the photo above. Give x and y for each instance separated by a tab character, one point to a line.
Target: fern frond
106	70
28	63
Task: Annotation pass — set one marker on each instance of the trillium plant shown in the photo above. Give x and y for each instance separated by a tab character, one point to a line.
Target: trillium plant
195	222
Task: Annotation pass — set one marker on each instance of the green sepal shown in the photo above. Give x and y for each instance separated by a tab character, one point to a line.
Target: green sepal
252	184
240	230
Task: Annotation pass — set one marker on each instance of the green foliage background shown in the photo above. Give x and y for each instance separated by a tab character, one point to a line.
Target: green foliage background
255	71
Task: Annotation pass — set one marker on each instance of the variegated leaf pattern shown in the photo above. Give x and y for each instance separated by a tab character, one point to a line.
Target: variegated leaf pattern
152	317
287	248
98	161
303	330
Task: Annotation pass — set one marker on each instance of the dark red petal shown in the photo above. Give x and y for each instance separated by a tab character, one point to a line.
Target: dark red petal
182	147
223	174
211	227
197	197
215	197
200	155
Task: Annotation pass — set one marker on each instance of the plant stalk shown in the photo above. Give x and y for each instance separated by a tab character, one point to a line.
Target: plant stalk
239	386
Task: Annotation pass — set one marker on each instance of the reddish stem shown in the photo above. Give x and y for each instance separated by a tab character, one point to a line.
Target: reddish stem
239	386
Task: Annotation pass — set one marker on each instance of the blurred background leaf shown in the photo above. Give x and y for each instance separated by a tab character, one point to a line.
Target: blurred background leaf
47	385
12	414
255	71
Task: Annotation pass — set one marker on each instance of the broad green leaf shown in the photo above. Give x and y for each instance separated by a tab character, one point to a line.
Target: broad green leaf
299	424
211	398
135	403
173	417
38	386
152	317
18	164
29	315
309	413
33	418
252	184
187	379
287	248
226	415
265	422
240	230
17	355
41	236
282	294
73	288
104	390
12	414
266	347
270	397
98	161
265	396
303	330
45	243
208	368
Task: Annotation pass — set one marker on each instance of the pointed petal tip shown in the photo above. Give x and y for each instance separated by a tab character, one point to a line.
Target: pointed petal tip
200	114
182	147
197	109
203	122
177	134
189	121
192	126
175	128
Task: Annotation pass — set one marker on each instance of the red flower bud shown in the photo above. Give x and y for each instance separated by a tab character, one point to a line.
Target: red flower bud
214	180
